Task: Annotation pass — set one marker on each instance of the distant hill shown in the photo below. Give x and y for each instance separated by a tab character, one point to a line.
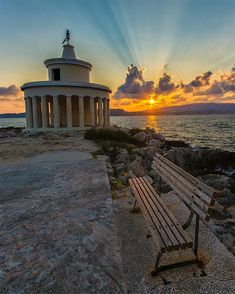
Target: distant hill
198	108
12	115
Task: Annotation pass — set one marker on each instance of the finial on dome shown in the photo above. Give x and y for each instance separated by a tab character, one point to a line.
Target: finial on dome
67	37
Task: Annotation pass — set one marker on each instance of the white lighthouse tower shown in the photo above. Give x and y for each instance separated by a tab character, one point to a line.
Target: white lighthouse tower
68	100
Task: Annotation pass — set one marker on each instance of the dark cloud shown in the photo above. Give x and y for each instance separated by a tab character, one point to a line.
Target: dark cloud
224	85
165	85
202	85
199	81
12	90
135	86
178	98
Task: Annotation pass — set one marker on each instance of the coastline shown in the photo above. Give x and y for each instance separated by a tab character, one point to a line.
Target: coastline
61	220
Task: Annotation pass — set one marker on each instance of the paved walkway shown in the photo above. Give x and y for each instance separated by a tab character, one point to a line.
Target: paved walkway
57	233
60	233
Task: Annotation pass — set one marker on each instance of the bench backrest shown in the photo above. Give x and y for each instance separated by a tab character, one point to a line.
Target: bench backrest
196	195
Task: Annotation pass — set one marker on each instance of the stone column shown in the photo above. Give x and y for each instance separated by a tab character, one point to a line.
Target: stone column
44	112
92	111
100	112
35	112
56	110
29	112
81	111
105	112
51	112
69	112
108	112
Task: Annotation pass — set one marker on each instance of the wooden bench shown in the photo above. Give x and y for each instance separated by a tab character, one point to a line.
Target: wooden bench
165	229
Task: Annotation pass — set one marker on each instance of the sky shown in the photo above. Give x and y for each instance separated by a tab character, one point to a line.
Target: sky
151	53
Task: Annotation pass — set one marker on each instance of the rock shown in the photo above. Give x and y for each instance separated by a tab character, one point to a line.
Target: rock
201	158
158	137
227	198
137	167
122	156
110	171
120	168
122	179
157	143
141	137
176	143
231	211
130	174
233	250
217	181
218	212
230	224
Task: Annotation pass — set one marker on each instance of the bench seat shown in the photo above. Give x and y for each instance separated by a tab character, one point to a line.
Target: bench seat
164	227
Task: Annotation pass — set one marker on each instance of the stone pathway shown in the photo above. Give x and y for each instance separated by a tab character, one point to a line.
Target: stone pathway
62	233
57	232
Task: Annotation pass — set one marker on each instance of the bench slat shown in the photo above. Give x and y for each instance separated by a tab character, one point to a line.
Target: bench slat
171	181
202	186
157	214
182	236
188	189
201	196
167	243
154	227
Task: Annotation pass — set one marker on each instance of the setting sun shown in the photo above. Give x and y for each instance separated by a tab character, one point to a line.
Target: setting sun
152	101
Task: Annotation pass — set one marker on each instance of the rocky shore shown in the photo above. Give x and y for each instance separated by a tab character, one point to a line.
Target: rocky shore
214	167
130	153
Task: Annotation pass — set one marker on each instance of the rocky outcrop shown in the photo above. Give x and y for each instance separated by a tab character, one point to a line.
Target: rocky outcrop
216	168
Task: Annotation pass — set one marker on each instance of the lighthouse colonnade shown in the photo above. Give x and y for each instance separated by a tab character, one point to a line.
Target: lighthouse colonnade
63	111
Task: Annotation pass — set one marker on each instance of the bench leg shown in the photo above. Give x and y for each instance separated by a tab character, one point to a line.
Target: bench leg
195	248
134	206
160	187
155	271
189	220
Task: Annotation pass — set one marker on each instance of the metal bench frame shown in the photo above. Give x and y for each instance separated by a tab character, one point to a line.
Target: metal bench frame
197	196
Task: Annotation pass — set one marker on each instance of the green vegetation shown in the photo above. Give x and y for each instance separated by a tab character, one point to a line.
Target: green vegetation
134	131
111	135
117	185
111	141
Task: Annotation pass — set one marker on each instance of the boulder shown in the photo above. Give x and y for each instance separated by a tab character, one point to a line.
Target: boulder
122	156
217	181
141	136
137	167
157	143
227	198
122	179
120	168
200	159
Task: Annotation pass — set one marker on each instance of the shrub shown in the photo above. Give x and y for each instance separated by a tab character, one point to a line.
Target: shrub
111	135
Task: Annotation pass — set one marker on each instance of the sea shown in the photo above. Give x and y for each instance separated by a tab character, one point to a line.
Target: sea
215	131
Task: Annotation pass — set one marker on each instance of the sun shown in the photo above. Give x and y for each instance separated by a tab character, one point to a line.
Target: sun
152	101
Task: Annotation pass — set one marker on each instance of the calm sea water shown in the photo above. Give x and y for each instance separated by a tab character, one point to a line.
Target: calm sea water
217	131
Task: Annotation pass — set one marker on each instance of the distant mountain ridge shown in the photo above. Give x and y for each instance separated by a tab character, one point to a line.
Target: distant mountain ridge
12	115
198	108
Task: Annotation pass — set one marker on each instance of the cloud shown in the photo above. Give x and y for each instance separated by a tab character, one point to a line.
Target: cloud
206	87
165	85
135	86
12	90
226	84
199	81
